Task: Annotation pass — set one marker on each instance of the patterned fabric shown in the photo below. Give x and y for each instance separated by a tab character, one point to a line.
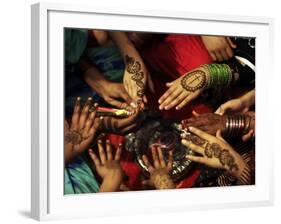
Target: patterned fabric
79	178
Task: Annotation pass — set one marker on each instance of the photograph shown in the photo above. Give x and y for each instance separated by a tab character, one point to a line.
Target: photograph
155	111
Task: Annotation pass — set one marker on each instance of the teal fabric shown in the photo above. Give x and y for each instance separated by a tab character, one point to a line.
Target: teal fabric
75	43
108	60
79	178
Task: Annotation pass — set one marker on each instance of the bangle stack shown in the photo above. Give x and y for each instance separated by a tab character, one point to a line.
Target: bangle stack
237	125
219	75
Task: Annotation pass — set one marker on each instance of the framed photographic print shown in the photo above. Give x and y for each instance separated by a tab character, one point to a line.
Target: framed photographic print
148	111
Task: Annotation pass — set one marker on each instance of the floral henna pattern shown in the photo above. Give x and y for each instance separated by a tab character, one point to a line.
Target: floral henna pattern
134	68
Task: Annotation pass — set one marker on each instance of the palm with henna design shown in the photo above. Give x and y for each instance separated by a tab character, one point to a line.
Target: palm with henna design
159	172
108	166
80	134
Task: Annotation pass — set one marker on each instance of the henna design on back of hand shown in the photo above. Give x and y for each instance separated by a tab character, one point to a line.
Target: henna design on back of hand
194	80
134	68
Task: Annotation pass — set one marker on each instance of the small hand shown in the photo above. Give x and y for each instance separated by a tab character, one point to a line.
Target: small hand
214	151
219	47
208	122
108	167
80	134
160	171
184	89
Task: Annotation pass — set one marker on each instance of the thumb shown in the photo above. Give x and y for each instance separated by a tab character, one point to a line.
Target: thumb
147	183
230	42
219	136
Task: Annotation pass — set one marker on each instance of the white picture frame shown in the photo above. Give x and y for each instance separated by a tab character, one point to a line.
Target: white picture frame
48	200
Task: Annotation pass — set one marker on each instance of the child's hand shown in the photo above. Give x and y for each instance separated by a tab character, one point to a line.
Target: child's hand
184	89
80	134
108	167
159	172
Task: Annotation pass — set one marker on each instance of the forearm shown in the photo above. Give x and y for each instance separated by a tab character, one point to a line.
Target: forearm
92	76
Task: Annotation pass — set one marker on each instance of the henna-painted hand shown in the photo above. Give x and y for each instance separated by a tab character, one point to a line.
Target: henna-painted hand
208	122
214	151
184	89
160	171
219	47
135	79
80	134
121	126
108	166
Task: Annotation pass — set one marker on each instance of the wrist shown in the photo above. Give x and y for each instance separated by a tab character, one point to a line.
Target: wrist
162	181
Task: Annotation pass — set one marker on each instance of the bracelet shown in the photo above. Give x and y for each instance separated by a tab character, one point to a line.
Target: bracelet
245	177
219	75
236	125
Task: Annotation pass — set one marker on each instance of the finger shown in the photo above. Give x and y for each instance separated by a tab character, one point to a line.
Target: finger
161	157
248	136
213	56
187	100
222	109
66	125
108	151
95	126
195	114
173	96
169	84
193	147
129	120
176	100
201	134
246	109
114	102
91	118
218	56
125	96
85	113
167	93
129	129
196	159
170	160
224	55
219	136
76	114
231	43
155	158
147	164
101	152
229	52
94	158
144	98
118	152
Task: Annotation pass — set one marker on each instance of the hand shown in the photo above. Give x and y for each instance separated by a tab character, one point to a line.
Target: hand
208	122
215	152
108	167
232	106
239	105
135	78
219	47
184	89
159	174
78	137
121	126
